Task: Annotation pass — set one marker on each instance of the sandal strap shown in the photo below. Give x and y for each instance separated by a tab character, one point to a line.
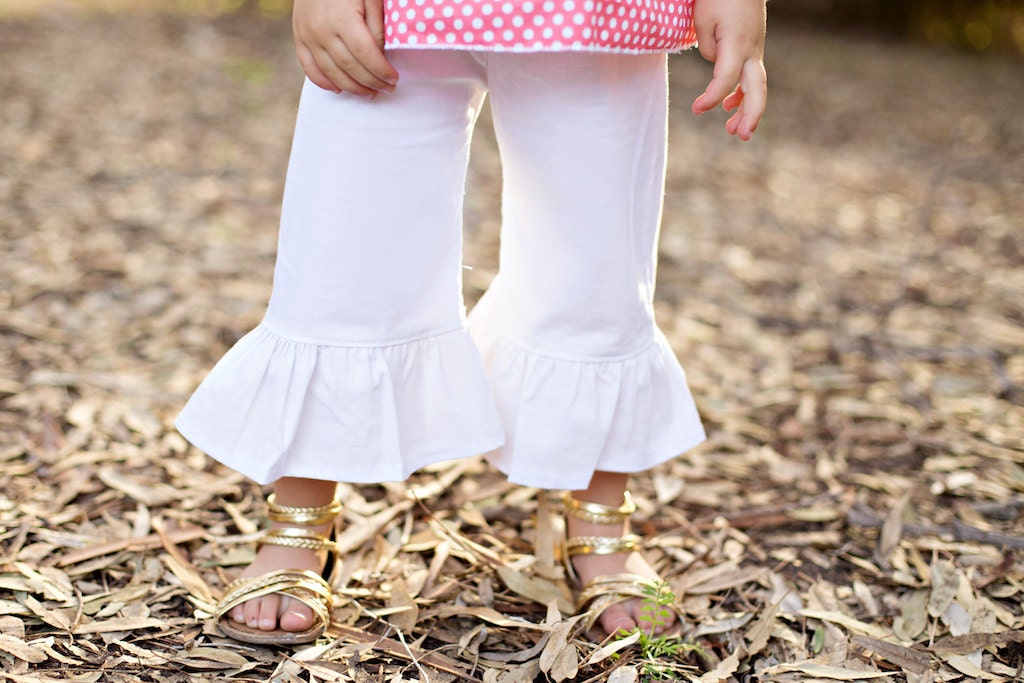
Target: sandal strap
605	591
621	586
596	513
305	586
601	545
292	537
310	516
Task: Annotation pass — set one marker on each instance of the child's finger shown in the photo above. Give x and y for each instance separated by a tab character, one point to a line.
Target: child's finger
343	76
743	123
375	21
723	82
343	68
754	86
366	62
373	58
734	99
313	70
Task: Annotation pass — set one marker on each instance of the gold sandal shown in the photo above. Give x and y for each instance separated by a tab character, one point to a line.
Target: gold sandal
309	588
604	591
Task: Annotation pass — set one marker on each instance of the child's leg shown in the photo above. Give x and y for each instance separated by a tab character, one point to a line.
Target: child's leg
362	370
582	374
585	381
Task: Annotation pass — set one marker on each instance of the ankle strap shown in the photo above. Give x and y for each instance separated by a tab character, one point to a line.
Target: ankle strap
601	545
596	513
302	515
298	538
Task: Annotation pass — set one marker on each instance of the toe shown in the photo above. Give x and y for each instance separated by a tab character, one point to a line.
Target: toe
238	614
295	616
616	618
251	610
269	607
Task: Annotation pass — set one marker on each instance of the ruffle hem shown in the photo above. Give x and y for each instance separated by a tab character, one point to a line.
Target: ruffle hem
274	407
566	418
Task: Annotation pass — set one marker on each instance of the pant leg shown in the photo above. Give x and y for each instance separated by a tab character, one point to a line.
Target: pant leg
362	369
584	379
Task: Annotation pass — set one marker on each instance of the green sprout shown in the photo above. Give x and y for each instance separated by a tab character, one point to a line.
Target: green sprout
661	655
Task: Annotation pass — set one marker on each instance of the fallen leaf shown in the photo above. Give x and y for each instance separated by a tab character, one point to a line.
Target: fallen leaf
963	644
20	649
821	671
616	645
209	658
725	669
945	581
903	657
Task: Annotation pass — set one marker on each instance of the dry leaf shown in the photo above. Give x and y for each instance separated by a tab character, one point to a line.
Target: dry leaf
408	612
210	658
326	672
559	658
151	493
54	617
488	614
716	579
945	581
961	645
725	669
20	649
616	645
892	531
822	672
965	666
536	588
914	618
845	621
757	635
903	657
956	619
192	581
357	533
624	674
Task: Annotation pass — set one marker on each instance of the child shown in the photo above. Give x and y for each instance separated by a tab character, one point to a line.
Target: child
364	369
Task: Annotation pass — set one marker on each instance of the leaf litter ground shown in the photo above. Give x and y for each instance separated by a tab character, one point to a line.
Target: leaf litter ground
845	293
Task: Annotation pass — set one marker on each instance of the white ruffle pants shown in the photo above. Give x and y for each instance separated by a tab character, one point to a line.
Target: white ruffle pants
363	369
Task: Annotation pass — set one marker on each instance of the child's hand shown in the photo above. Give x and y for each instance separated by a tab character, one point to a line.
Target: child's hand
340	44
730	34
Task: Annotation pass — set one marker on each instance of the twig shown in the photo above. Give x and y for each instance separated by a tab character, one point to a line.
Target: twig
859	516
400	649
763	517
151	542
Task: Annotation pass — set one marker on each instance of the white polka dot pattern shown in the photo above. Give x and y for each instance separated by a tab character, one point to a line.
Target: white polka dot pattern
540	25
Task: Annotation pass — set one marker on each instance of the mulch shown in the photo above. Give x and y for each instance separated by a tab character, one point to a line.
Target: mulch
844	292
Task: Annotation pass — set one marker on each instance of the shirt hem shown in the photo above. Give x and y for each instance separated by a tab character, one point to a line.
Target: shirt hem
508	49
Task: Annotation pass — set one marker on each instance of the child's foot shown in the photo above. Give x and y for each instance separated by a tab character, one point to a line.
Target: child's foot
274	611
284	590
627	614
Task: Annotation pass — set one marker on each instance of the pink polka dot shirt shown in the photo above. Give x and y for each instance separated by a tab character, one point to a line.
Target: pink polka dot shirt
540	25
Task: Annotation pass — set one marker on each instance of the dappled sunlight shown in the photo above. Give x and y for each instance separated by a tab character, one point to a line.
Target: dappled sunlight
272	9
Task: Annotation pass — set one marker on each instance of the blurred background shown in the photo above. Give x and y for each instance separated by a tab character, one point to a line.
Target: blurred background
975	25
